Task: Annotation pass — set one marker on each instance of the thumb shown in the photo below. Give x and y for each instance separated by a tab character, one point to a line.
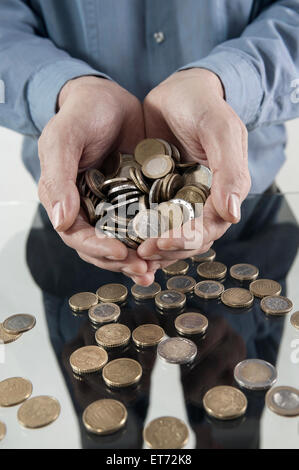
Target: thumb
59	156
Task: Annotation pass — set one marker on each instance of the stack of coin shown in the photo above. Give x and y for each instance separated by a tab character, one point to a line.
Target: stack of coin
14	326
138	196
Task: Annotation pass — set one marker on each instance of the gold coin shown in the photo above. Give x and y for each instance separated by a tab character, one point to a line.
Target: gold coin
88	359
89	209
191	323
6	338
83	301
145	292
209	255
114	293
14	390
19	323
212	270
2	431
179	267
148	335
105	416
295	320
158	166
113	335
263	287
199	174
137	178
276	305
208	289
244	272
168	299
182	284
148	148
283	400
191	194
166	433
237	297
38	412
225	402
122	372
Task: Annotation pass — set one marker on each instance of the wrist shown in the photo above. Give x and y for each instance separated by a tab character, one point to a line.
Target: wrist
77	84
208	77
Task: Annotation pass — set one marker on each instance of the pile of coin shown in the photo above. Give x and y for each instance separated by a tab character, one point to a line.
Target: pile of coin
14	326
135	197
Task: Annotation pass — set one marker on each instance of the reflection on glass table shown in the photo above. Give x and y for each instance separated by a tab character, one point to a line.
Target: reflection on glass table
267	237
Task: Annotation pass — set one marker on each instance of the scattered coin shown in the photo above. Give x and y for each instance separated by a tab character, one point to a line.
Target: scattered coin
177	350
208	289
19	323
225	402
105	416
295	320
212	270
244	272
122	372
83	301
14	390
237	297
283	400
178	268
276	305
209	255
168	299
112	293
157	166
255	374
181	283
6	338
147	335
145	292
166	433
88	359
148	148
2	431
104	313
191	323
38	412
113	335
264	287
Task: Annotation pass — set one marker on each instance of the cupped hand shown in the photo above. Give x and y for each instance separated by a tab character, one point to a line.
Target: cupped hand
189	110
95	117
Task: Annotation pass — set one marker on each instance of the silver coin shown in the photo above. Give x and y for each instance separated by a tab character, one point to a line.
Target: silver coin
19	323
208	289
255	374
187	208
125	197
104	313
145	292
283	400
170	299
152	194
177	350
201	174
209	255
181	283
126	187
276	305
148	224
244	272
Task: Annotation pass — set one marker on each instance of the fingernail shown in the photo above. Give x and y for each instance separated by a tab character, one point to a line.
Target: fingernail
234	206
57	215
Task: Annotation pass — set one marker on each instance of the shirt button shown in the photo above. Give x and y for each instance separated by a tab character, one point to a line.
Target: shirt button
159	37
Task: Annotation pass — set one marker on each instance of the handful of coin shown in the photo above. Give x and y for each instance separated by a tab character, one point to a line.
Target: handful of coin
135	197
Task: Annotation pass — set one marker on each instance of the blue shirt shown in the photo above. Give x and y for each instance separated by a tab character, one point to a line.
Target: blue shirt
252	45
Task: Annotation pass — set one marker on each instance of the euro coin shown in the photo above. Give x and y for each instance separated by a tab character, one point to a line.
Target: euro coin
209	255
225	402
89	209
177	350
208	289
38	412
283	400
178	268
212	270
6	338
88	359
182	284
148	335
276	305
199	174
105	416
14	390
148	224
166	432
168	299
237	297
104	313
148	148
145	292
244	272
264	287
2	431
255	374
113	335
112	293
172	213
191	323
122	372
157	167
19	323
295	320
82	301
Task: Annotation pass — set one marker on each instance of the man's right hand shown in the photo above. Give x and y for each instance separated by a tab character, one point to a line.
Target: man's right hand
95	117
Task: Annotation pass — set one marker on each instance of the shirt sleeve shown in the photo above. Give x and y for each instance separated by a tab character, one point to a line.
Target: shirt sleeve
260	69
32	69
